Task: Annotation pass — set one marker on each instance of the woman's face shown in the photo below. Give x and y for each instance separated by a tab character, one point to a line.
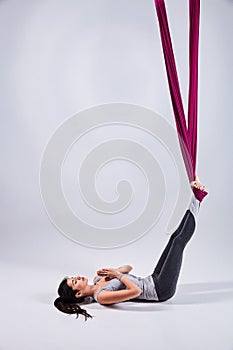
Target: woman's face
77	283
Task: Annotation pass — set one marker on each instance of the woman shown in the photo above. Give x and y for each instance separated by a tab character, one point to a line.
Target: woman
114	285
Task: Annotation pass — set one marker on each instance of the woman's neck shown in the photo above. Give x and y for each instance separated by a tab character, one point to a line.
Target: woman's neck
90	290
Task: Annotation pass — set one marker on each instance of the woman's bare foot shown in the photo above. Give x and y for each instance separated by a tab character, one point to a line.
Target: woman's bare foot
196	183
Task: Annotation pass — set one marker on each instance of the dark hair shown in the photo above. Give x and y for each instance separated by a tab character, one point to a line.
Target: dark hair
68	303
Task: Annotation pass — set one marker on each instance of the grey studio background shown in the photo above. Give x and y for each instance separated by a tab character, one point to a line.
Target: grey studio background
59	58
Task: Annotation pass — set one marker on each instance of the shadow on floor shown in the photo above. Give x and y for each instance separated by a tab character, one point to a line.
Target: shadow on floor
203	293
187	294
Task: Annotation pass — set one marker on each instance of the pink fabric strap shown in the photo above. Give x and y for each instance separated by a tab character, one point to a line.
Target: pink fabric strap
187	135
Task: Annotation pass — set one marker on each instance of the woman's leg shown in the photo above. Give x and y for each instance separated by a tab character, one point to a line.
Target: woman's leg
168	268
168	246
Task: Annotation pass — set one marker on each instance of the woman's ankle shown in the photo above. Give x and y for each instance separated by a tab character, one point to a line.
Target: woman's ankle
199	194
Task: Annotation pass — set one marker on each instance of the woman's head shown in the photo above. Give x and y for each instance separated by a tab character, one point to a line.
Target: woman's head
79	285
68	300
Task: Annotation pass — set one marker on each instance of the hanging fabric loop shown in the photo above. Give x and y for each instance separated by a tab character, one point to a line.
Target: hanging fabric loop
187	135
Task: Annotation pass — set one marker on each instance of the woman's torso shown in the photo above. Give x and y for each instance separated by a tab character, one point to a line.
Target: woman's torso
146	284
100	282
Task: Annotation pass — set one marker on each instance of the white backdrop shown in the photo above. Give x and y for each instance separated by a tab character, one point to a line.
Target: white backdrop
59	58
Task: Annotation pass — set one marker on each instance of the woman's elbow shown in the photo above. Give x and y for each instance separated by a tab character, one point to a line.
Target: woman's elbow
138	292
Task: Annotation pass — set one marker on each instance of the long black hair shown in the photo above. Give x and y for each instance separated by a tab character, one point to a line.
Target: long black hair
68	303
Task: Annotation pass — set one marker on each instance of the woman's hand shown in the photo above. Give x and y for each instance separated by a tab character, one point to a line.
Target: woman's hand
109	273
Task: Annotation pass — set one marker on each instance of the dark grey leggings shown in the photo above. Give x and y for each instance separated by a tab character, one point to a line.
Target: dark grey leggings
167	270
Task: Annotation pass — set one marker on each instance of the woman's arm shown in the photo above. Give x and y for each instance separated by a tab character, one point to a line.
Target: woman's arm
111	297
125	268
122	269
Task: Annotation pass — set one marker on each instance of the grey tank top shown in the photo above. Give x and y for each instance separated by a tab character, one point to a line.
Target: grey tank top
145	283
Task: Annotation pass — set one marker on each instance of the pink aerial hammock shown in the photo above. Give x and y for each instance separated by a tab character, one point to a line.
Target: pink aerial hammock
187	135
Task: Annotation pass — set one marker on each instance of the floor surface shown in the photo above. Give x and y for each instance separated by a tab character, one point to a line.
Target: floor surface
199	317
